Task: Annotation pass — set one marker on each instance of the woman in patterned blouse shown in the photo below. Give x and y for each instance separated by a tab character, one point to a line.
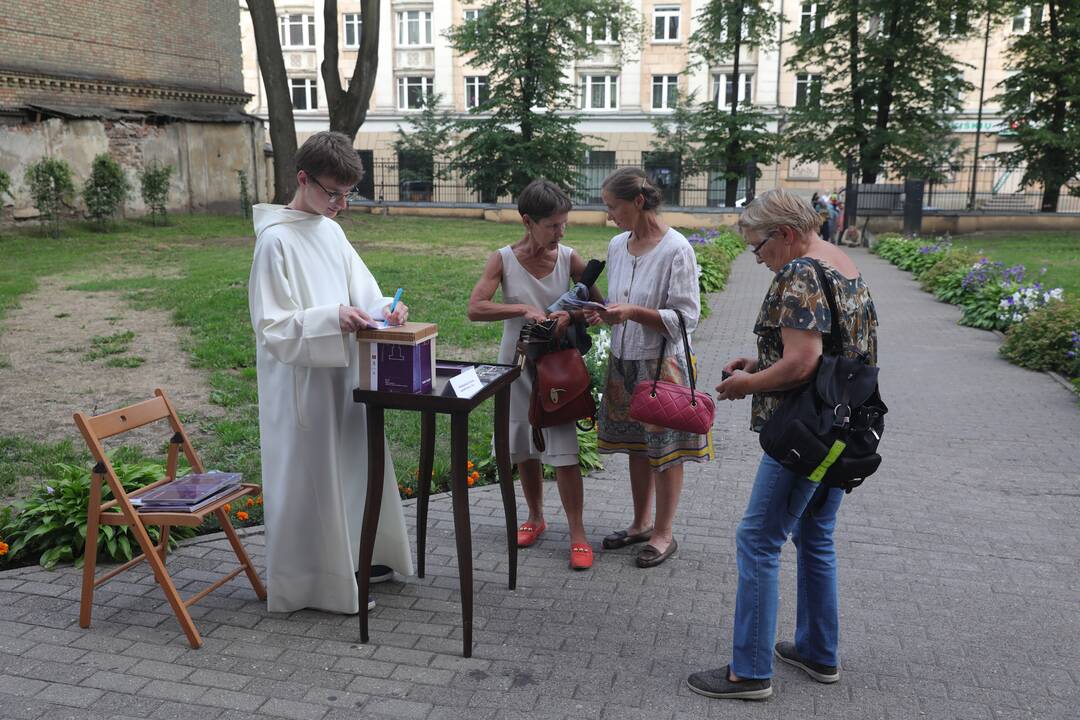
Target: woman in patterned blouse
782	232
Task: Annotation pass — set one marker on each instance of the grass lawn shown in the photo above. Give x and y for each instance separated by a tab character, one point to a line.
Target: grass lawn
1058	252
197	269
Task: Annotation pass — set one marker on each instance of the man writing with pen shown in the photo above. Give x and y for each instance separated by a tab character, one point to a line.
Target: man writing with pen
308	293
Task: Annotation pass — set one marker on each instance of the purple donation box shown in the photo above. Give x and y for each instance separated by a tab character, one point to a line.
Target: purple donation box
398	359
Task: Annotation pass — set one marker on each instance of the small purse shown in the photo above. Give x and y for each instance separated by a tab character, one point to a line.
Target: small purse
669	404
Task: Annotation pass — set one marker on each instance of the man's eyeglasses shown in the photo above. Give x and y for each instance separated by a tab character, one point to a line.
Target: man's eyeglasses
756	249
331	196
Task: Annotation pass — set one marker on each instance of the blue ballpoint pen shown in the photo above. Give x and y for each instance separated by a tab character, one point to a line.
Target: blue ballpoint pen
397	296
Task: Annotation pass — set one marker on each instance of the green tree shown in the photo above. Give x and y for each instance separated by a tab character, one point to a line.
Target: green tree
522	130
105	190
428	139
735	137
154	185
1041	102
52	188
888	90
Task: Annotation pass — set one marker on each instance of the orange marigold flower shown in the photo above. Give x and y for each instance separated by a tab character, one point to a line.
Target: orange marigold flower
471	481
3	548
258	500
227	508
469	465
242	516
408	492
475	476
250	502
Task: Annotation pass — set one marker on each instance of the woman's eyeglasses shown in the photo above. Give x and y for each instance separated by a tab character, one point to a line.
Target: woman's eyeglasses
756	249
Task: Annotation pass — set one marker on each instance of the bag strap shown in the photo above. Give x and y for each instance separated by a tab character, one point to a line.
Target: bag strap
686	349
835	343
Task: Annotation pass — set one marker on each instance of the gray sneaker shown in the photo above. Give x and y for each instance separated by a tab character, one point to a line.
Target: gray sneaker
380	574
786	652
715	684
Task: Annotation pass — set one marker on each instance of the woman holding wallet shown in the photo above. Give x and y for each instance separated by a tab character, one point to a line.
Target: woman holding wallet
533	274
652	280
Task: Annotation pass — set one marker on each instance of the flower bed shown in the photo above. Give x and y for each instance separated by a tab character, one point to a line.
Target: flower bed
1041	324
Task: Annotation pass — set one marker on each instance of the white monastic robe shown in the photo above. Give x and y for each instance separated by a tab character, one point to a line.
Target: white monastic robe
313	436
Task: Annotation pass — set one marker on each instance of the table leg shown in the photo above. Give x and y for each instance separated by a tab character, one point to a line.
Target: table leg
372	505
506	477
459	492
423	485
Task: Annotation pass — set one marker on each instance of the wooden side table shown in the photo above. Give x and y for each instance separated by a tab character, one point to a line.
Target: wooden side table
440	399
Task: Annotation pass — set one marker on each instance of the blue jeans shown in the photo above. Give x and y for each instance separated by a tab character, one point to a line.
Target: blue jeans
783	504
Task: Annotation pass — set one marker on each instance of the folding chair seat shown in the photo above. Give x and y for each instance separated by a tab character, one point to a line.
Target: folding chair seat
121	511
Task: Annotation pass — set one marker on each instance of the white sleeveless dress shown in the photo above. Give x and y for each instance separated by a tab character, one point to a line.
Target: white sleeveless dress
520	287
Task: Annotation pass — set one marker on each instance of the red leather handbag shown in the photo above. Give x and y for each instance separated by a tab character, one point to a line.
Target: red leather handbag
560	392
669	404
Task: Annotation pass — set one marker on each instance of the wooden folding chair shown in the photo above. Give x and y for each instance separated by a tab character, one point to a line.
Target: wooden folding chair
120	510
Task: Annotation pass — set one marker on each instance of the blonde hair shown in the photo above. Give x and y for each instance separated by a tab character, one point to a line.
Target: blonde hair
776	208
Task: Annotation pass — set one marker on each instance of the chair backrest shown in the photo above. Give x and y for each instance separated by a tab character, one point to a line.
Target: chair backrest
97	428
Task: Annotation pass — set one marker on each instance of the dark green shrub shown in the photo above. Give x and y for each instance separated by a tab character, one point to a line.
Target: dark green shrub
50	524
105	190
1044	340
5	183
52	188
154	182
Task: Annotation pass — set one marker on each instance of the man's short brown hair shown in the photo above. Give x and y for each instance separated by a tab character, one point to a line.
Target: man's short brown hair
330	154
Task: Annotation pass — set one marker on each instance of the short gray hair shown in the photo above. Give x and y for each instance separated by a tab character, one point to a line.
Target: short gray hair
776	208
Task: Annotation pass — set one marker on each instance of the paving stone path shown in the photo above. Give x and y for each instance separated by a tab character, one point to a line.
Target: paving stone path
960	581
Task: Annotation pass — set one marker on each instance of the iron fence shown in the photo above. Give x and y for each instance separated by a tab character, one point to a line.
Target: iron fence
436	182
988	186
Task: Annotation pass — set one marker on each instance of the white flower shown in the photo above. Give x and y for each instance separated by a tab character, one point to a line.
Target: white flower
1057	294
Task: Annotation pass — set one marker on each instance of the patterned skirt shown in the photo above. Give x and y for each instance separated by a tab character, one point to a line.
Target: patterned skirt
618	433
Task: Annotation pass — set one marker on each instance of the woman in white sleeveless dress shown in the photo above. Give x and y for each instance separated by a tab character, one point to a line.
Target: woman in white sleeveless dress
533	274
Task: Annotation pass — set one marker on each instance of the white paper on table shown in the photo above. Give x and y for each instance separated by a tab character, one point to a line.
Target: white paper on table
466	383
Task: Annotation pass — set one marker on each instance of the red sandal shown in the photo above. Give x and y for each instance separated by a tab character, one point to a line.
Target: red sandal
581	556
528	533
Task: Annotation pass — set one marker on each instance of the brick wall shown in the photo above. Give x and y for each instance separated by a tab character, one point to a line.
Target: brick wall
183	43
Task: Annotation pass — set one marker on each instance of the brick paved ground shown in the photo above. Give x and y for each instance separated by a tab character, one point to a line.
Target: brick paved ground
960	581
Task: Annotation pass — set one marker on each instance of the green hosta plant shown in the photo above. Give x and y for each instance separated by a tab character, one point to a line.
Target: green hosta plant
50	524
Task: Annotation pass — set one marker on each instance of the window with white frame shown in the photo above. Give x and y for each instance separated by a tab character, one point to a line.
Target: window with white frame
810	18
476	91
472	14
296	31
666	23
412	90
600	92
724	88
1021	21
665	91
602	31
352	24
414	28
957	23
305	93
807	90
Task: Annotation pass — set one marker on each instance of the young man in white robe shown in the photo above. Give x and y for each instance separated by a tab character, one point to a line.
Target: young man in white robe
309	292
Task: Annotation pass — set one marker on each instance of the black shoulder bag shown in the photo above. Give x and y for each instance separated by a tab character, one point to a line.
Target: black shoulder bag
829	429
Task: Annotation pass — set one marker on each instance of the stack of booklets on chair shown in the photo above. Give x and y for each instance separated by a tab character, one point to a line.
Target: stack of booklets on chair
190	493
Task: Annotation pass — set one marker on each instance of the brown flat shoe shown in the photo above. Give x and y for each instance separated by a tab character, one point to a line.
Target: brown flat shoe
651	557
620	538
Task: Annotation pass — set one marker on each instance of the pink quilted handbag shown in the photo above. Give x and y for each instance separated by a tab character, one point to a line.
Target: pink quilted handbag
669	404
